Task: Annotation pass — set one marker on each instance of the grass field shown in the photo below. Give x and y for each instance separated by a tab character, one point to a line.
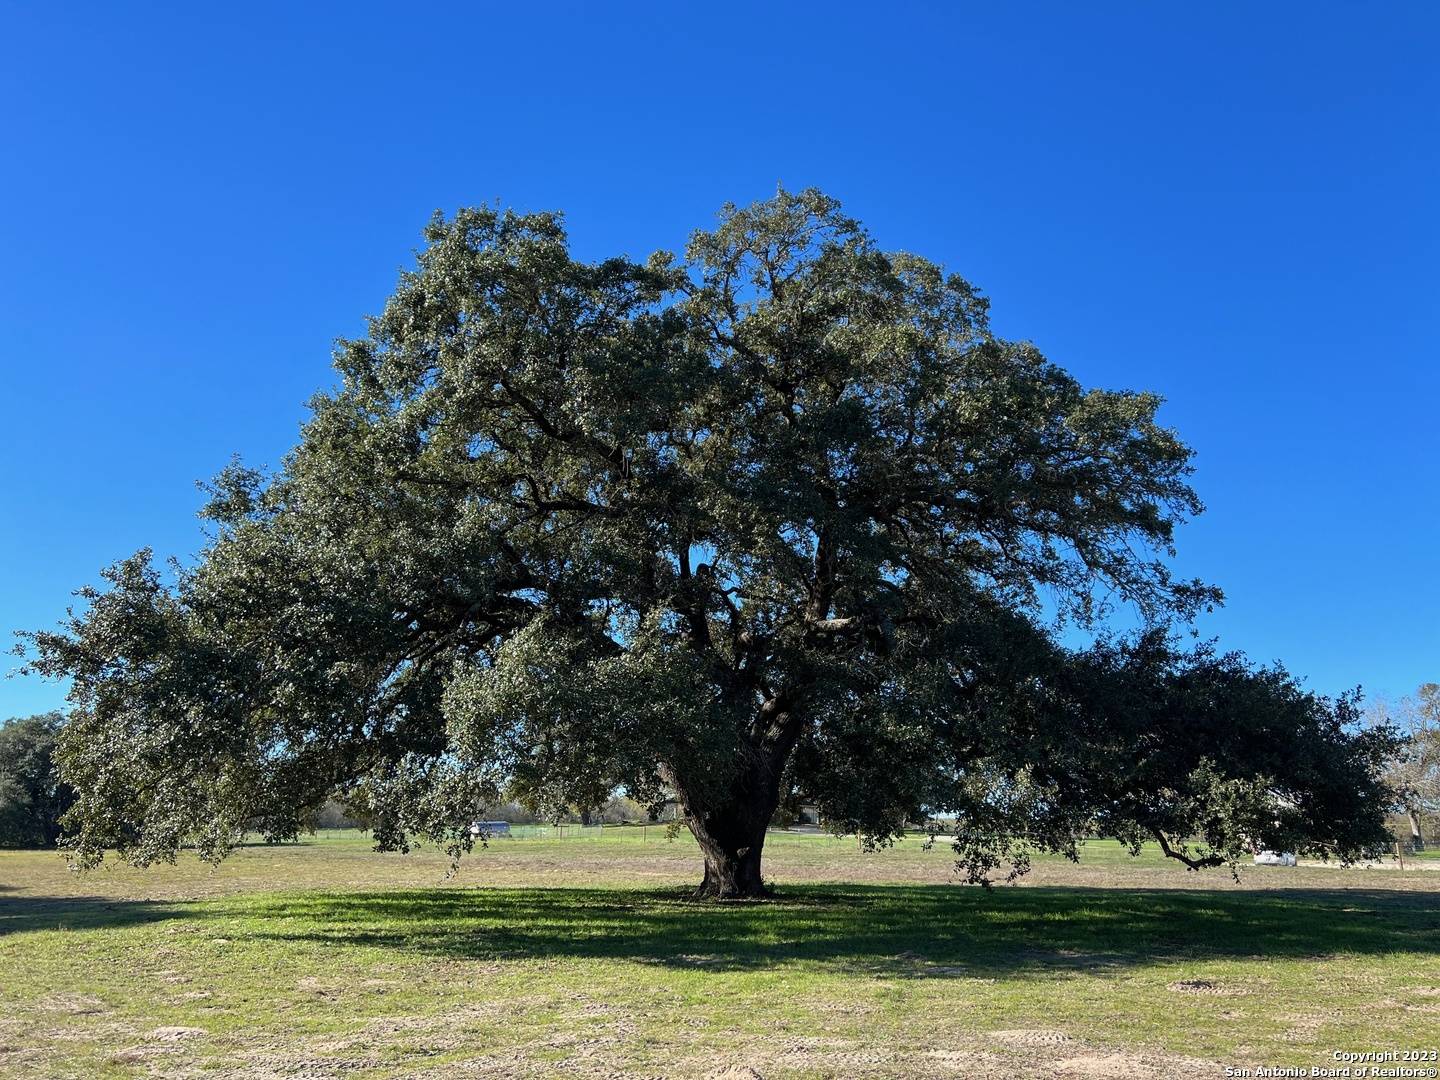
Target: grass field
582	956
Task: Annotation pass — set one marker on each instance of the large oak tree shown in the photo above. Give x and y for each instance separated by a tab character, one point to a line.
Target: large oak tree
781	519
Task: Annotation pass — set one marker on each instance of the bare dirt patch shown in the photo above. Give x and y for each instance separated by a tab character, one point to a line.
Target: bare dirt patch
1029	1037
1206	988
1100	1065
178	1033
73	1004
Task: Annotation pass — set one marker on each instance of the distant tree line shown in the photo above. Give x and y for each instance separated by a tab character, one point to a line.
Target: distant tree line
32	796
618	809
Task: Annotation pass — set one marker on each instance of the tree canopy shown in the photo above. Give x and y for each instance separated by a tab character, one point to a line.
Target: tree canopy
781	518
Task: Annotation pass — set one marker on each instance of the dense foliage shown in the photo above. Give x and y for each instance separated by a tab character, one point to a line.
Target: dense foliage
32	796
781	519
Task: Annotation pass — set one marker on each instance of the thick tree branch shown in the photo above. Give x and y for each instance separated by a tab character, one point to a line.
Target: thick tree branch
1194	864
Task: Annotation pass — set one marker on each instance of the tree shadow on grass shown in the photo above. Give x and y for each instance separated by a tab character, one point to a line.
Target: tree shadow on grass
928	931
20	914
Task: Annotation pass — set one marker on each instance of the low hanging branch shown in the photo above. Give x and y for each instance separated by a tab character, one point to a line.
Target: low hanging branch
1202	863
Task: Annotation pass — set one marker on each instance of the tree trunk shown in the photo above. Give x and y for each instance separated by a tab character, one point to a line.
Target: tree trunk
732	847
730	826
1417	841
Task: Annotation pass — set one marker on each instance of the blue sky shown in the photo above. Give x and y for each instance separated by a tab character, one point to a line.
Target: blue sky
1234	205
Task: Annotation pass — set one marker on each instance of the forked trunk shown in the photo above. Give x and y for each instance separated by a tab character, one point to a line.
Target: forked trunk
1417	840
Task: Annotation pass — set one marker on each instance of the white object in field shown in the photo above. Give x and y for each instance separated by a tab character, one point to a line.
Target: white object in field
490	828
1274	858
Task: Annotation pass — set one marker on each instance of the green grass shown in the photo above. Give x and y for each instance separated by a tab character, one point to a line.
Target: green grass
585	957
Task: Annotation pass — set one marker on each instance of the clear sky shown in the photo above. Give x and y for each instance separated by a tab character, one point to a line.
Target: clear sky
1235	205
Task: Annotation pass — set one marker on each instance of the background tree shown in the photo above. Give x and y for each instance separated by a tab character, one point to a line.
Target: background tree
783	517
32	796
1415	770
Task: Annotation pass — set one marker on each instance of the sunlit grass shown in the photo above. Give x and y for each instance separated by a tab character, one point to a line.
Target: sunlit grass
585	956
